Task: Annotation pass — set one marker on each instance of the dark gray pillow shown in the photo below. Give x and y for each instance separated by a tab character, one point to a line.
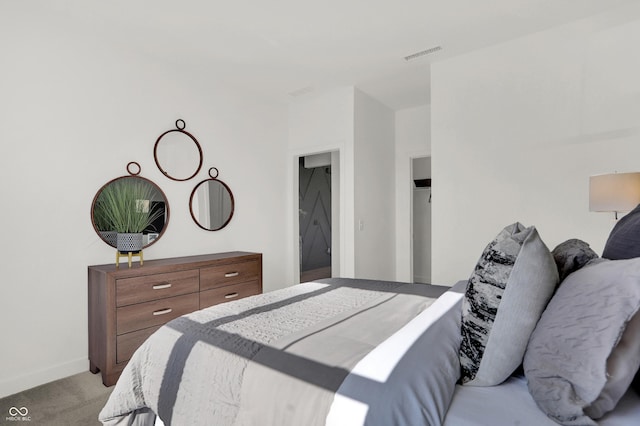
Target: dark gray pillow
572	255
624	239
568	354
505	296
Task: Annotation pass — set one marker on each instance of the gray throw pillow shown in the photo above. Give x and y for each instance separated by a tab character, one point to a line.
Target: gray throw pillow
505	296
572	255
580	336
624	239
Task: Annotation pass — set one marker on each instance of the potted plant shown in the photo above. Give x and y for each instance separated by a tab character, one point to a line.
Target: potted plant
103	225
123	206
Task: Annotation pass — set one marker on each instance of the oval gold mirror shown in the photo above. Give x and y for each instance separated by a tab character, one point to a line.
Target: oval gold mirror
130	204
177	153
211	203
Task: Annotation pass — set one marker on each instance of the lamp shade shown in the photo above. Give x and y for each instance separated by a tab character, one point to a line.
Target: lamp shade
615	192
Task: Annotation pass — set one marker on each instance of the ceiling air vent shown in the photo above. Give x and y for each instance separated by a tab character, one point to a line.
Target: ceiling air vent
423	53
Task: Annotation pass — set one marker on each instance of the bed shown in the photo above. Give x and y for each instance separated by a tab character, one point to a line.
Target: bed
353	351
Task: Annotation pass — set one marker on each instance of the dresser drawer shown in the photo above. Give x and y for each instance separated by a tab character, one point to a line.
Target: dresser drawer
229	293
223	275
151	287
157	312
126	344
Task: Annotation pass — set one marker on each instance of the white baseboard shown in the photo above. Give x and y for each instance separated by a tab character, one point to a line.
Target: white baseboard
23	382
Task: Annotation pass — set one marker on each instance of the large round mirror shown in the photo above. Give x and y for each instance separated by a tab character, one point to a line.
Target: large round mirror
130	204
178	154
212	203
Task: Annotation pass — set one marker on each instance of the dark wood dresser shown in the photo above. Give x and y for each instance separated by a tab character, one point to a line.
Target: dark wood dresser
126	305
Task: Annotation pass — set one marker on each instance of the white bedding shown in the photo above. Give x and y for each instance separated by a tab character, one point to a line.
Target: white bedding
511	404
410	391
278	358
508	404
396	384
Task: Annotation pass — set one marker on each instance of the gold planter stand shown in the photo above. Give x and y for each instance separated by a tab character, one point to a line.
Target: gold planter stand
129	255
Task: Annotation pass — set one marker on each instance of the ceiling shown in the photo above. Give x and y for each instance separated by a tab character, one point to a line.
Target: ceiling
287	49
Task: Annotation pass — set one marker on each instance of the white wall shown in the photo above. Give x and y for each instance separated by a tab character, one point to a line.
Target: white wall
518	128
74	111
421	168
374	210
324	123
412	140
361	129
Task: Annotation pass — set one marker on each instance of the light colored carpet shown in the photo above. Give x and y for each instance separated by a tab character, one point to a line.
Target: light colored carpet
72	401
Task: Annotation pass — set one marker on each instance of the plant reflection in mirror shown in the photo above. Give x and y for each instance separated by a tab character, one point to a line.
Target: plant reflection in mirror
123	206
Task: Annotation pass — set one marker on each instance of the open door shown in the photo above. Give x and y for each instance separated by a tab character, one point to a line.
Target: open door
315	216
421	174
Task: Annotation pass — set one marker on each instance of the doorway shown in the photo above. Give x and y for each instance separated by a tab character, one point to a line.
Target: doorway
315	216
421	219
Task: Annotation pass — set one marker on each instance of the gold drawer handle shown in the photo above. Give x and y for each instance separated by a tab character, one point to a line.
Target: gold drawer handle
161	286
230	295
231	274
162	311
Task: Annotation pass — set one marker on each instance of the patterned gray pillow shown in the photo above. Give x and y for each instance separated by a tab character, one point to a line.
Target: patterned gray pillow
578	362
506	294
572	255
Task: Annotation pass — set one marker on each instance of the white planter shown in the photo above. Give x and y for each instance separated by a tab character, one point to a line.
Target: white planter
129	242
110	237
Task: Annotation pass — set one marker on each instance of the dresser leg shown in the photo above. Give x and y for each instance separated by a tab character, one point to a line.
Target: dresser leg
109	379
93	368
